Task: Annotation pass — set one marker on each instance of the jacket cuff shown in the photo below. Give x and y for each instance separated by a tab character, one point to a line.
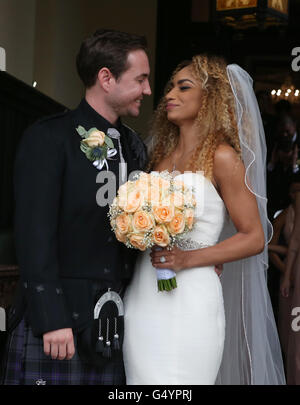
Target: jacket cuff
46	307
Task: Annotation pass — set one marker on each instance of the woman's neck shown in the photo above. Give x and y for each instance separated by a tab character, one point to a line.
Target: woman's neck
189	136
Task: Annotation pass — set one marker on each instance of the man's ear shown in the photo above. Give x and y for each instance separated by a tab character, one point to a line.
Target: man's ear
105	78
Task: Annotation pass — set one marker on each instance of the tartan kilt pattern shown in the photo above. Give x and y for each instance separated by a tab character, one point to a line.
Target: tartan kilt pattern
26	364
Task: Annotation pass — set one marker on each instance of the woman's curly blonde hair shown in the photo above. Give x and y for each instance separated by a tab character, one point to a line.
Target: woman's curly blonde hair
216	116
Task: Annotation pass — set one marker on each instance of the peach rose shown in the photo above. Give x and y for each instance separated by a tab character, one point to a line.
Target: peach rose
189	218
123	223
135	201
163	213
123	192
177	199
144	178
177	224
131	201
95	138
142	221
161	236
137	240
153	195
143	185
120	236
162	184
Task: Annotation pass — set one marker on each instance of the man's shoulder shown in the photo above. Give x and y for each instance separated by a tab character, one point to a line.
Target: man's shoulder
55	125
53	129
52	120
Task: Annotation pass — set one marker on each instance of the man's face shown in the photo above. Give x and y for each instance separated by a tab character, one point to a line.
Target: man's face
128	90
287	129
286	132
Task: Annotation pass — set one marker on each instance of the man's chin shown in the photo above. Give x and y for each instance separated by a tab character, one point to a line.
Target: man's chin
134	112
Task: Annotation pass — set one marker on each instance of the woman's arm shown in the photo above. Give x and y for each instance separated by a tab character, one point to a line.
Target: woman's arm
293	249
280	249
274	248
229	173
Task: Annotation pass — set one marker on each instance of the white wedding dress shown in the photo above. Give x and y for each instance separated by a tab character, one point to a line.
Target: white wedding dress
177	337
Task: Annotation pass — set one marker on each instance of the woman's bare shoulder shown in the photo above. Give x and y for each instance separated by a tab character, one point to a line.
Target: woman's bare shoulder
226	159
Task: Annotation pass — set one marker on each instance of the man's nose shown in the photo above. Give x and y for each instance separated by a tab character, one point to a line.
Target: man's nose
147	89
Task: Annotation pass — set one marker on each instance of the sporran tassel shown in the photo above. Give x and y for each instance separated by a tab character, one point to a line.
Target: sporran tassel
107	349
99	344
116	343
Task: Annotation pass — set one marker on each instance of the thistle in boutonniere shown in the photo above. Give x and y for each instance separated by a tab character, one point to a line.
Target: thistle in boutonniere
97	146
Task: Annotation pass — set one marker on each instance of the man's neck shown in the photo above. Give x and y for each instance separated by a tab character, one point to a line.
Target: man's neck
101	108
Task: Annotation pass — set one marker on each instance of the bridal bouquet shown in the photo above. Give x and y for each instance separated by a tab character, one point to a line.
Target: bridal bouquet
153	209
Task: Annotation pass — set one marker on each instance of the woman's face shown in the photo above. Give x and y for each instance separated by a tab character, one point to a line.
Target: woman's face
183	101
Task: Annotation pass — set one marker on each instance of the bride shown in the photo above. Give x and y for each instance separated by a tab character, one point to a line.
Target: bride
207	130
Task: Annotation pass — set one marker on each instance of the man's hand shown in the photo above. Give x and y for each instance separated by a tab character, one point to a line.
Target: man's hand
59	344
219	269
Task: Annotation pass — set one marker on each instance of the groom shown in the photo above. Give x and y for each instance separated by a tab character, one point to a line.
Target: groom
65	248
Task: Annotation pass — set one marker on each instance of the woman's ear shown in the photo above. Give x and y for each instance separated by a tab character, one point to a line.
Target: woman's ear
105	78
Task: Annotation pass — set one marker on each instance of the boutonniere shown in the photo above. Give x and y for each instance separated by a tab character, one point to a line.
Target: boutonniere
97	146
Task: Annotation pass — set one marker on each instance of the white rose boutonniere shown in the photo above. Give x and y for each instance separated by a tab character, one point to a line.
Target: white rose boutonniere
97	146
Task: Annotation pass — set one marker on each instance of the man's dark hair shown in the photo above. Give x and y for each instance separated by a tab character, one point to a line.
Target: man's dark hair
283	107
106	48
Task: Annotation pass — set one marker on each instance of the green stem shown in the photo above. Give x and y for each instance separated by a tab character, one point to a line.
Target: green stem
167	285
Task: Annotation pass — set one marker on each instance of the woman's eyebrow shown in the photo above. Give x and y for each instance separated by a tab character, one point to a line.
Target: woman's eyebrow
185	80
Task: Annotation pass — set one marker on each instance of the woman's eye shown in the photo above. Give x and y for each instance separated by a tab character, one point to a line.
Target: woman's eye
182	88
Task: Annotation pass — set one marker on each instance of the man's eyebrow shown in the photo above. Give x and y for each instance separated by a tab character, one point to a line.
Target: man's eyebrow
145	75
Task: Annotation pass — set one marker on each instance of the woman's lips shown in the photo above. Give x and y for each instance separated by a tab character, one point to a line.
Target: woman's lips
169	106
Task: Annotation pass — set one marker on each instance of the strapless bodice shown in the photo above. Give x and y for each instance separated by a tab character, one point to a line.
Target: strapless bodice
210	212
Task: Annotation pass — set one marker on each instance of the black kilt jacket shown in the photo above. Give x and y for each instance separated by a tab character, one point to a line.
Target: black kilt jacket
65	247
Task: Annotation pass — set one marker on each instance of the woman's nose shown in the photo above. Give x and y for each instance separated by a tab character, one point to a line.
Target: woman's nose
170	95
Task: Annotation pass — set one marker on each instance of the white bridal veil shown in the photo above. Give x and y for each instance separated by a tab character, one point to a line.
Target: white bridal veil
252	353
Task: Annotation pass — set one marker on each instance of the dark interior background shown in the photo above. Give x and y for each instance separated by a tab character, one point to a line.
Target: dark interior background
265	54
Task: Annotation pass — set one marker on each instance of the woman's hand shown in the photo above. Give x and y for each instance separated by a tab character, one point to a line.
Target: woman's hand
176	259
285	286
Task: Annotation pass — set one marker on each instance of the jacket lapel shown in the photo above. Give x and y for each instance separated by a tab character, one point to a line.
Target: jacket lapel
135	150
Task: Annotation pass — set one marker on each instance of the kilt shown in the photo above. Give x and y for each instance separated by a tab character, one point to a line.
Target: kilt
26	364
